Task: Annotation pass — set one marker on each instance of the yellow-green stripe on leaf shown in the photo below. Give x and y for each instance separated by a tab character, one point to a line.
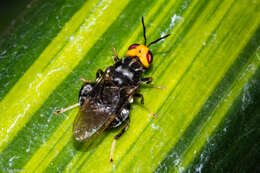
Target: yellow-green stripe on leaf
208	38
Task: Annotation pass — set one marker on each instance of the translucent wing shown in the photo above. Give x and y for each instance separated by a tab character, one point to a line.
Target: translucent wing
92	118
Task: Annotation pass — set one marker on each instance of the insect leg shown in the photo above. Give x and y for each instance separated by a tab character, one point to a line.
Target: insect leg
86	81
117	137
140	96
66	109
148	110
99	74
142	104
115	56
148	81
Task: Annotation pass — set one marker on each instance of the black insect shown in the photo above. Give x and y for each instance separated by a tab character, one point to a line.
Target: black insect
106	101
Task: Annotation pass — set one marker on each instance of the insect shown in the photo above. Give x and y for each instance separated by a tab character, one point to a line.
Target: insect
105	102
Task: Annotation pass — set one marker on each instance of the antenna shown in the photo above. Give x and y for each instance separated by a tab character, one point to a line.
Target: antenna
155	41
144	30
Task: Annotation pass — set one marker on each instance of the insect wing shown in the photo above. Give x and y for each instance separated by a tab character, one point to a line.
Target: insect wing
90	121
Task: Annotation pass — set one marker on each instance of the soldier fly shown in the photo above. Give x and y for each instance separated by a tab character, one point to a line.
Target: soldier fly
105	102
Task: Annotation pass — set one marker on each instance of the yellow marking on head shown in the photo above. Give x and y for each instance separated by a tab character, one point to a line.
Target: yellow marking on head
140	51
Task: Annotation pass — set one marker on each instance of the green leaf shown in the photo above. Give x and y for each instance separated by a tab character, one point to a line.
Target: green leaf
209	66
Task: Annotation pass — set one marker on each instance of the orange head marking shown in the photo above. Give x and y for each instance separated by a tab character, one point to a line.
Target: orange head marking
142	52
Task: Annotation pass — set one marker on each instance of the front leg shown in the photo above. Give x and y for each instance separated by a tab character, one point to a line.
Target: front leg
115	56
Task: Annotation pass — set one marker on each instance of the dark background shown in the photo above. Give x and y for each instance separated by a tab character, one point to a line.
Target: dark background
9	11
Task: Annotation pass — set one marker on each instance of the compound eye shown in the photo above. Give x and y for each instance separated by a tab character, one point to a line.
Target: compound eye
149	57
133	46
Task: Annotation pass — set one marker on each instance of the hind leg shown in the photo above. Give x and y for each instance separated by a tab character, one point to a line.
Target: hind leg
66	109
119	119
117	137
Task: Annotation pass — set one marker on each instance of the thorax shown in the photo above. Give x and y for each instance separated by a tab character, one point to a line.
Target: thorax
126	72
